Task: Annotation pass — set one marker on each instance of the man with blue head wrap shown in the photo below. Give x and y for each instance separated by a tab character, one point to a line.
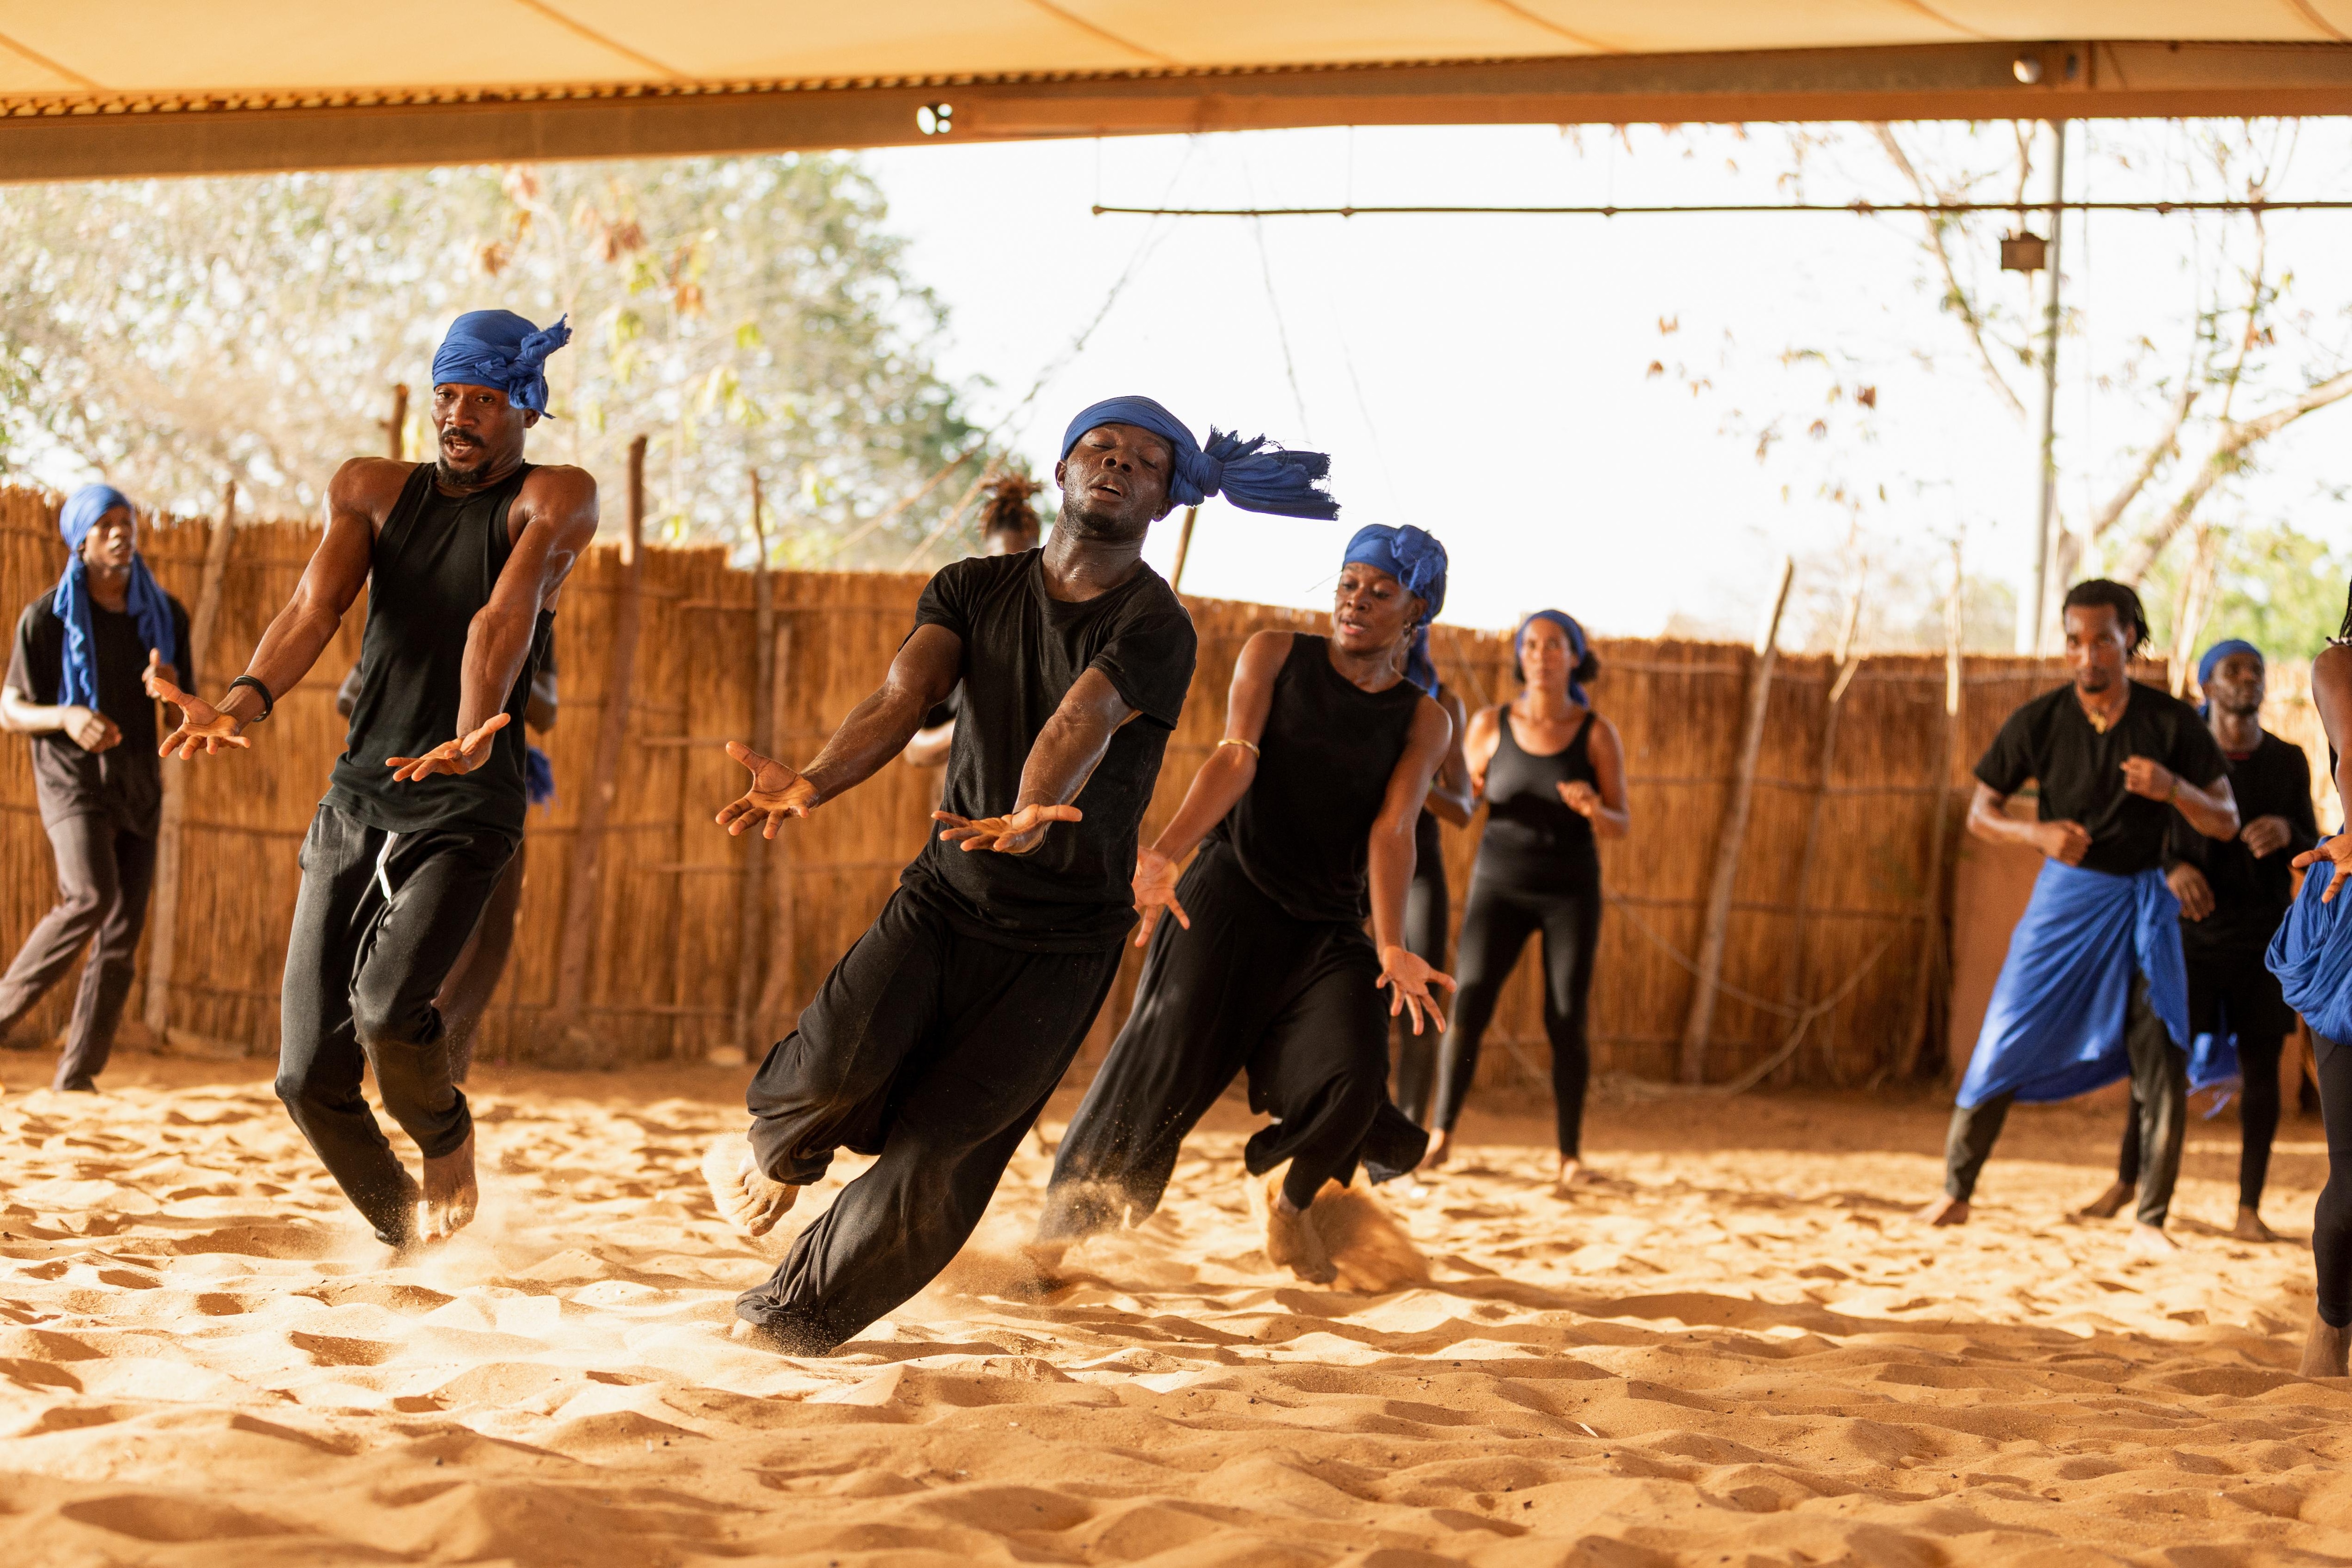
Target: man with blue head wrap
937	1039
464	560
2234	893
77	684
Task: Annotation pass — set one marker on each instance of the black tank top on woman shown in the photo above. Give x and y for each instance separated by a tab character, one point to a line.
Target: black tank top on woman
1533	840
1302	832
434	566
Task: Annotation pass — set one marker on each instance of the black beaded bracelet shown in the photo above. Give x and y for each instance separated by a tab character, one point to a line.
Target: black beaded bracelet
268	703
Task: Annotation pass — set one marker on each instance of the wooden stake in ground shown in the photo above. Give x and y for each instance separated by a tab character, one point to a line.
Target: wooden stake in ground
580	903
395	429
164	901
1844	665
777	997
1717	919
1931	893
1183	549
749	921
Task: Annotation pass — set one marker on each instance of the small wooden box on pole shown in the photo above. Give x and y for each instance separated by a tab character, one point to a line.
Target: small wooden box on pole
581	902
1716	922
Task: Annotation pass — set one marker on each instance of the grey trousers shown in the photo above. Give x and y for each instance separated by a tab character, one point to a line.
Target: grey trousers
2159	1078
104	872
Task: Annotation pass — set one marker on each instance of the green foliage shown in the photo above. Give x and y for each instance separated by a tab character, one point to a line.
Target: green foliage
2282	590
738	312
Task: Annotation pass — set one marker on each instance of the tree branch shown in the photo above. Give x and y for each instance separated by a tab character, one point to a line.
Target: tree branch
2167	445
1953	292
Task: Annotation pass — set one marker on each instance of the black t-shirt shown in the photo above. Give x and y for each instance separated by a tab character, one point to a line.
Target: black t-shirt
1023	651
124	781
2081	771
2250	896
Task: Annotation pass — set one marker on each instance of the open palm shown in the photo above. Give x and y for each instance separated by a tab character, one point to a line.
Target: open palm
776	793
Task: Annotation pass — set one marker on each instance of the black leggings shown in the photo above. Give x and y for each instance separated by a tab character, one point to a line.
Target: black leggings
1427	912
1496	923
2331	1231
2257	1120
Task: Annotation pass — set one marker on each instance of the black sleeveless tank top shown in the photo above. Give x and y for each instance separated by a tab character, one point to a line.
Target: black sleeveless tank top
434	564
1302	832
1533	841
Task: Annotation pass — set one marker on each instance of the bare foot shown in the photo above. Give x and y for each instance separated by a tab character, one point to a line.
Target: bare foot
2249	1227
1440	1144
1572	1171
2324	1349
2150	1241
1045	1257
1291	1239
1946	1210
2110	1203
747	1199
446	1206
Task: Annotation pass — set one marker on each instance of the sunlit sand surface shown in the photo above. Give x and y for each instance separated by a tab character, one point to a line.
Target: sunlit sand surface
1734	1348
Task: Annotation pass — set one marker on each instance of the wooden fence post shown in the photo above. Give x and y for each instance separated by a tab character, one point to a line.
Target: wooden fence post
1844	665
777	995
1931	895
395	429
1183	549
164	903
581	903
1734	834
748	922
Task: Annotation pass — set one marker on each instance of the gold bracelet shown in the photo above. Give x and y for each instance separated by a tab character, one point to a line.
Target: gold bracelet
1254	751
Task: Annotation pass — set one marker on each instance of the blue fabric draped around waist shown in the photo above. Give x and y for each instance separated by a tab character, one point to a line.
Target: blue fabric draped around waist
2055	1026
2312	954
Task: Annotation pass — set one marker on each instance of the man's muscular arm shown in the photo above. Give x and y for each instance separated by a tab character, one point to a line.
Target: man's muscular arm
1062	758
360	493
556	508
876	730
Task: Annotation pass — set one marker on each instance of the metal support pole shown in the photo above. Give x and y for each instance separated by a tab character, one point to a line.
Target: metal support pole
2034	612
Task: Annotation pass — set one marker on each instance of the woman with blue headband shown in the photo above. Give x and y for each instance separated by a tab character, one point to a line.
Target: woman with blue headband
1553	773
1305	817
79	685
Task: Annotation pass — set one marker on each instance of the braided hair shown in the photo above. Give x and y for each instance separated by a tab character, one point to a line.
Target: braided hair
2346	630
2121	598
1007	509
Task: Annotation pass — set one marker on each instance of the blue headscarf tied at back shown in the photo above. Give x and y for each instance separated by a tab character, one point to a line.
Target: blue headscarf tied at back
1576	647
2212	660
150	610
1417	561
499	349
1253	475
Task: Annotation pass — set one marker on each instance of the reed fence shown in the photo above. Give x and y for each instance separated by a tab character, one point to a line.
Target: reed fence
673	929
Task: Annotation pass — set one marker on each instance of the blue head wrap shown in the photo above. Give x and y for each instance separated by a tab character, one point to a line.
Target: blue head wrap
1576	647
2213	659
499	349
1252	475
150	610
1418	563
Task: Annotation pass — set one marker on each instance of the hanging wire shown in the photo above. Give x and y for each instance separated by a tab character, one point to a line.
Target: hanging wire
1862	209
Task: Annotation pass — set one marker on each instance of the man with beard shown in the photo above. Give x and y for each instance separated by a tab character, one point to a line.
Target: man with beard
464	560
2093	988
2233	893
935	1043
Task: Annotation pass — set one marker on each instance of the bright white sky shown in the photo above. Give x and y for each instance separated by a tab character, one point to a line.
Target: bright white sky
1486	377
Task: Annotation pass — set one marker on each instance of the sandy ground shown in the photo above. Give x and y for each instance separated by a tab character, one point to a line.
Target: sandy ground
1736	1349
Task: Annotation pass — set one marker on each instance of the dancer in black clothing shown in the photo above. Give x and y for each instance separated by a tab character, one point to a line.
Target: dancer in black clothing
1553	773
1429	906
1307	809
78	683
474	978
464	560
2233	893
937	1040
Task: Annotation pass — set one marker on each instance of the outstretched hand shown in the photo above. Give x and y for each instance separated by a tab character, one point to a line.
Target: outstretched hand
1016	834
460	756
2337	852
203	727
776	793
1409	976
158	674
1155	892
